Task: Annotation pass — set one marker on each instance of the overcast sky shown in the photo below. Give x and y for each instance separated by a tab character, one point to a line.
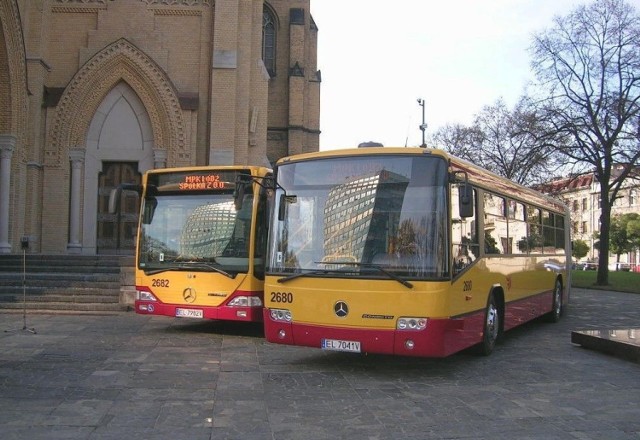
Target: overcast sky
378	57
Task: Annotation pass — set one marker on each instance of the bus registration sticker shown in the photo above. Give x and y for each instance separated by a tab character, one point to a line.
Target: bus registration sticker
340	345
189	313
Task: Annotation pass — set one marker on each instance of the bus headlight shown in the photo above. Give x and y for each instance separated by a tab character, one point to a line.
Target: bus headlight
281	315
409	323
245	301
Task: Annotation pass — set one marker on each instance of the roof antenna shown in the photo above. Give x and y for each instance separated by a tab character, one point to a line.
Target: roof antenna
423	126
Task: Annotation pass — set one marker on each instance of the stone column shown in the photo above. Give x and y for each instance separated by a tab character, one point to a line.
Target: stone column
7	145
159	158
76	156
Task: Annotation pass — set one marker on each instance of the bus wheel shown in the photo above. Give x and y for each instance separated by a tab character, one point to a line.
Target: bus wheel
491	327
556	311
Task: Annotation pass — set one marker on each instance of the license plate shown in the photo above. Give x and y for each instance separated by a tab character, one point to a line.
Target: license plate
340	345
189	313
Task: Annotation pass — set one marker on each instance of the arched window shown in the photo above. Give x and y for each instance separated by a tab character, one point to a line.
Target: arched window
269	40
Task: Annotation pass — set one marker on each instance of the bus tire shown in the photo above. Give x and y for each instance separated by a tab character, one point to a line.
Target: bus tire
556	310
491	327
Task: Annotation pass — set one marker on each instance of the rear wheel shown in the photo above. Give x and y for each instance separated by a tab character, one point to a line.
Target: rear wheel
491	327
556	311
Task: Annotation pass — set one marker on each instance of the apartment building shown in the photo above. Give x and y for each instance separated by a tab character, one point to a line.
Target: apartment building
582	195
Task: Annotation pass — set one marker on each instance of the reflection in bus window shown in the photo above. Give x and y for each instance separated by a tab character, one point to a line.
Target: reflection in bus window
208	230
560	235
200	227
363	214
495	224
534	235
517	228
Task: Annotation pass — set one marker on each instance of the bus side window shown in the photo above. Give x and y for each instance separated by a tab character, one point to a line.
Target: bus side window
464	234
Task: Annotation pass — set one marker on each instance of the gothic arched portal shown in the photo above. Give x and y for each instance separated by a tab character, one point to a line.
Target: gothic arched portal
119	108
119	146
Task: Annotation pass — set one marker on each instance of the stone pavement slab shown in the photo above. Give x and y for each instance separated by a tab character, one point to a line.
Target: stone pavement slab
131	376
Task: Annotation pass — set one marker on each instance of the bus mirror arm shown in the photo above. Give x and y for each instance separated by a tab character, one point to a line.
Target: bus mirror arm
116	194
266	183
238	195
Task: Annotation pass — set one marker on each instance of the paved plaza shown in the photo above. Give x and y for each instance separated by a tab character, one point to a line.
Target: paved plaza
127	376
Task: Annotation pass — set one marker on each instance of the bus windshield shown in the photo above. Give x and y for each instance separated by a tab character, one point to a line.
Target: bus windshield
195	231
381	216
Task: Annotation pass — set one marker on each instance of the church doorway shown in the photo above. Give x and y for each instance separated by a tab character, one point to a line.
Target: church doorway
117	232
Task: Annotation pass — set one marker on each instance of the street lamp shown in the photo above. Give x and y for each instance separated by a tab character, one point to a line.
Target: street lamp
423	126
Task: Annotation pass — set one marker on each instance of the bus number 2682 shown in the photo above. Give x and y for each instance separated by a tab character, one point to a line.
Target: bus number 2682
156	282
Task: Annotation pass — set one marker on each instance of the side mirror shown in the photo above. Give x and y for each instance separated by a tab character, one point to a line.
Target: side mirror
282	207
149	210
465	200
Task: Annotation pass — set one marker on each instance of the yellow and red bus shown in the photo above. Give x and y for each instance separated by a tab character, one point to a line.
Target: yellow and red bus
201	249
408	251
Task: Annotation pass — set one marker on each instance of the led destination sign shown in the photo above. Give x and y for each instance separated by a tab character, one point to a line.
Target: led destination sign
200	180
203	181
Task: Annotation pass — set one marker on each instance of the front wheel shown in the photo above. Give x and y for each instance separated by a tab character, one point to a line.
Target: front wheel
556	311
491	328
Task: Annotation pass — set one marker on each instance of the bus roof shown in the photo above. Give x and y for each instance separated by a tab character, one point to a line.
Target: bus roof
255	170
477	175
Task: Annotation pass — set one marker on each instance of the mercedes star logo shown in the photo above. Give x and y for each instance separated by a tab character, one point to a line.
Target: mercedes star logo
189	295
341	309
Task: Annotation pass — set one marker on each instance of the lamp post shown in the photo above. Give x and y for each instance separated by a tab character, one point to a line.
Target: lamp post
423	126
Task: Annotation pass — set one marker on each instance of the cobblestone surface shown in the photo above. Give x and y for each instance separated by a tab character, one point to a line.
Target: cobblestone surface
131	376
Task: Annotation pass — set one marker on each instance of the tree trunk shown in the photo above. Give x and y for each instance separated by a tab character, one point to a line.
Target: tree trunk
605	223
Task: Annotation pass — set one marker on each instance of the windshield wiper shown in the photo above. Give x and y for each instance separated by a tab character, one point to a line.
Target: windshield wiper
312	272
302	274
326	271
381	270
187	259
189	265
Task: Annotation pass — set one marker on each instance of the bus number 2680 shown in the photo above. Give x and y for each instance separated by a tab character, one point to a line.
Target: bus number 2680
282	297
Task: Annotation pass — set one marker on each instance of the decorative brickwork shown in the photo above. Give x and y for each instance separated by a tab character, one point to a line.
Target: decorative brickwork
120	61
179	2
13	117
177	12
13	125
83	1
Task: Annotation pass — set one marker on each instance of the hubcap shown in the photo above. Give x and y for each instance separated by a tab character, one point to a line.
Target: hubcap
492	322
558	300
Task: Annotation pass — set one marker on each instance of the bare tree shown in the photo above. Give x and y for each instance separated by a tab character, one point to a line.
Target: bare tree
459	140
588	68
504	141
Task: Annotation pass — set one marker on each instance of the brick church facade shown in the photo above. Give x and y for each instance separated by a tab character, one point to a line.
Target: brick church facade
96	92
